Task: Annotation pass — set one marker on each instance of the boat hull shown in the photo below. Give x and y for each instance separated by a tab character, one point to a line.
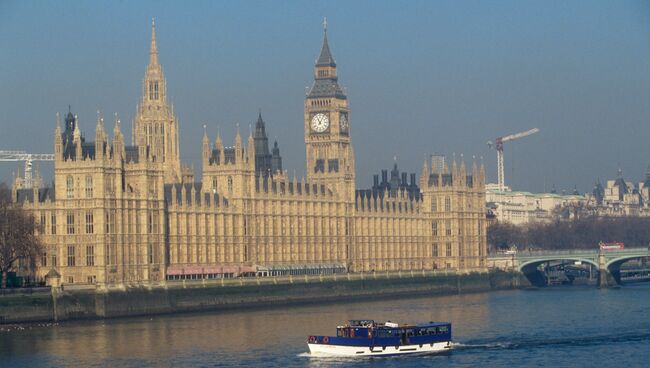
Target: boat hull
348	351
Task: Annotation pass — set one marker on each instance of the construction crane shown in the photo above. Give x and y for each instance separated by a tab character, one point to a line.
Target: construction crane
498	145
28	158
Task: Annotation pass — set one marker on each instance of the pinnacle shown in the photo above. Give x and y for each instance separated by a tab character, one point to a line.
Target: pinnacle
153	51
325	58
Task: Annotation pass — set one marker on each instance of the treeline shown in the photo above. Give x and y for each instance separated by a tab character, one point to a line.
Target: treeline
584	233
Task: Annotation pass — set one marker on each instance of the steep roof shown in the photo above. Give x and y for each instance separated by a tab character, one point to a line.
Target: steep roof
325	58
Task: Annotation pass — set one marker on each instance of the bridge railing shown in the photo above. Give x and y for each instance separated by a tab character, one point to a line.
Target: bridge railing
574	252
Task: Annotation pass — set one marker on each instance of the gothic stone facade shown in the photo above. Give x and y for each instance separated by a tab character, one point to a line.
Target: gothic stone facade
128	215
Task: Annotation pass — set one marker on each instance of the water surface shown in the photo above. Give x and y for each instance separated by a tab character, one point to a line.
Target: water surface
561	327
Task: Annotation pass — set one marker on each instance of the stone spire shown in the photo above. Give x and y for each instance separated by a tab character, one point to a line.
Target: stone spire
238	139
218	143
206	146
250	146
153	50
325	58
118	141
58	143
424	175
100	137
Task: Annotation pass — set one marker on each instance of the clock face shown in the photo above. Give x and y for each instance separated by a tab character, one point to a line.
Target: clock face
320	122
343	121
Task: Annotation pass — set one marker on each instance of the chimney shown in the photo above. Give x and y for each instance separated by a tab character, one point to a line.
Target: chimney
404	183
413	180
384	176
375	181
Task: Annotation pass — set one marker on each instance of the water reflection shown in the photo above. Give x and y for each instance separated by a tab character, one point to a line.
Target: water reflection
555	326
229	333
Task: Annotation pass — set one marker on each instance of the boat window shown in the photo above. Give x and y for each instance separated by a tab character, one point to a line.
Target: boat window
443	329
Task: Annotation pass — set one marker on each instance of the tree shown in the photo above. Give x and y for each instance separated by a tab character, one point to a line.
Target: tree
579	233
18	239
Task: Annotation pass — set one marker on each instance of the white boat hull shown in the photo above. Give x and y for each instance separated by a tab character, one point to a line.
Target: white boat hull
348	351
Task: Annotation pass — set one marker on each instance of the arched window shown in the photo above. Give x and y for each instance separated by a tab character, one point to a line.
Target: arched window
230	184
69	186
447	204
214	183
89	186
153	90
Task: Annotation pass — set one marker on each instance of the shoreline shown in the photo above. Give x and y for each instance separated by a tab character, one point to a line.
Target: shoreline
56	305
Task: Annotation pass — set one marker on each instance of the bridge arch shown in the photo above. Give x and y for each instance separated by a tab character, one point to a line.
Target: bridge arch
617	262
536	278
613	266
536	262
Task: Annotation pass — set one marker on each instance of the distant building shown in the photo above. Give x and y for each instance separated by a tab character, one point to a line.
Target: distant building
520	208
617	198
621	198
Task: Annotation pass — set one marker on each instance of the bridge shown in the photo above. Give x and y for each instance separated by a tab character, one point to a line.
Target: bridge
607	262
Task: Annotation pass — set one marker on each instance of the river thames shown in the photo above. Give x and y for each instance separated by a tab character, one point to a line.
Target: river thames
577	326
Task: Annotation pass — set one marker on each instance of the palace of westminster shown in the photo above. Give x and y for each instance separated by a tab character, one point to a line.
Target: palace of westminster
121	214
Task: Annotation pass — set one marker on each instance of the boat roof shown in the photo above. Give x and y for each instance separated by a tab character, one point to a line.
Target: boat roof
370	322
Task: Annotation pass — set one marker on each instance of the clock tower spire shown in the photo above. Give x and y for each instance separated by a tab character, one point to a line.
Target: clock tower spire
330	158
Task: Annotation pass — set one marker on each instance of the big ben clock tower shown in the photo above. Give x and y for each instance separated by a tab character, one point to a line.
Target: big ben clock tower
330	158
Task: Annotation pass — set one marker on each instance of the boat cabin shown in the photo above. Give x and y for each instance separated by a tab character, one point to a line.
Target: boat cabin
367	328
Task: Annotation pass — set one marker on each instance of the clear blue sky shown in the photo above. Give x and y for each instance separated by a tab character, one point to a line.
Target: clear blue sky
421	76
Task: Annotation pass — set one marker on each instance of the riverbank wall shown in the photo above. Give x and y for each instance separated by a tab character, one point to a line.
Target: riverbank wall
70	303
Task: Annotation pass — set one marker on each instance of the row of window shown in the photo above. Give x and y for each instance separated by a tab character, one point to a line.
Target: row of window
448	228
436	253
152	227
215	184
434	228
90	279
434	204
69	186
111	257
447	204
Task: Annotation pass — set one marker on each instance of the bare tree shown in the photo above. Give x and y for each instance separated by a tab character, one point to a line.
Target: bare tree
18	239
580	233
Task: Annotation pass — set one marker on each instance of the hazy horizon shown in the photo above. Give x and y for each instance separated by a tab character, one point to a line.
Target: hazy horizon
421	77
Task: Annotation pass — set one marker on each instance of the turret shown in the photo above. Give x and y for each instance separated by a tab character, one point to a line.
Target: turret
218	145
238	146
58	144
118	142
206	148
251	151
424	176
100	138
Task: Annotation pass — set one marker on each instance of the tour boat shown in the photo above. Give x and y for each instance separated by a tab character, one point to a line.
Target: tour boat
368	338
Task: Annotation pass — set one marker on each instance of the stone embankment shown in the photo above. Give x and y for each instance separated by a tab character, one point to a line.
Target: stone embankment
69	303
